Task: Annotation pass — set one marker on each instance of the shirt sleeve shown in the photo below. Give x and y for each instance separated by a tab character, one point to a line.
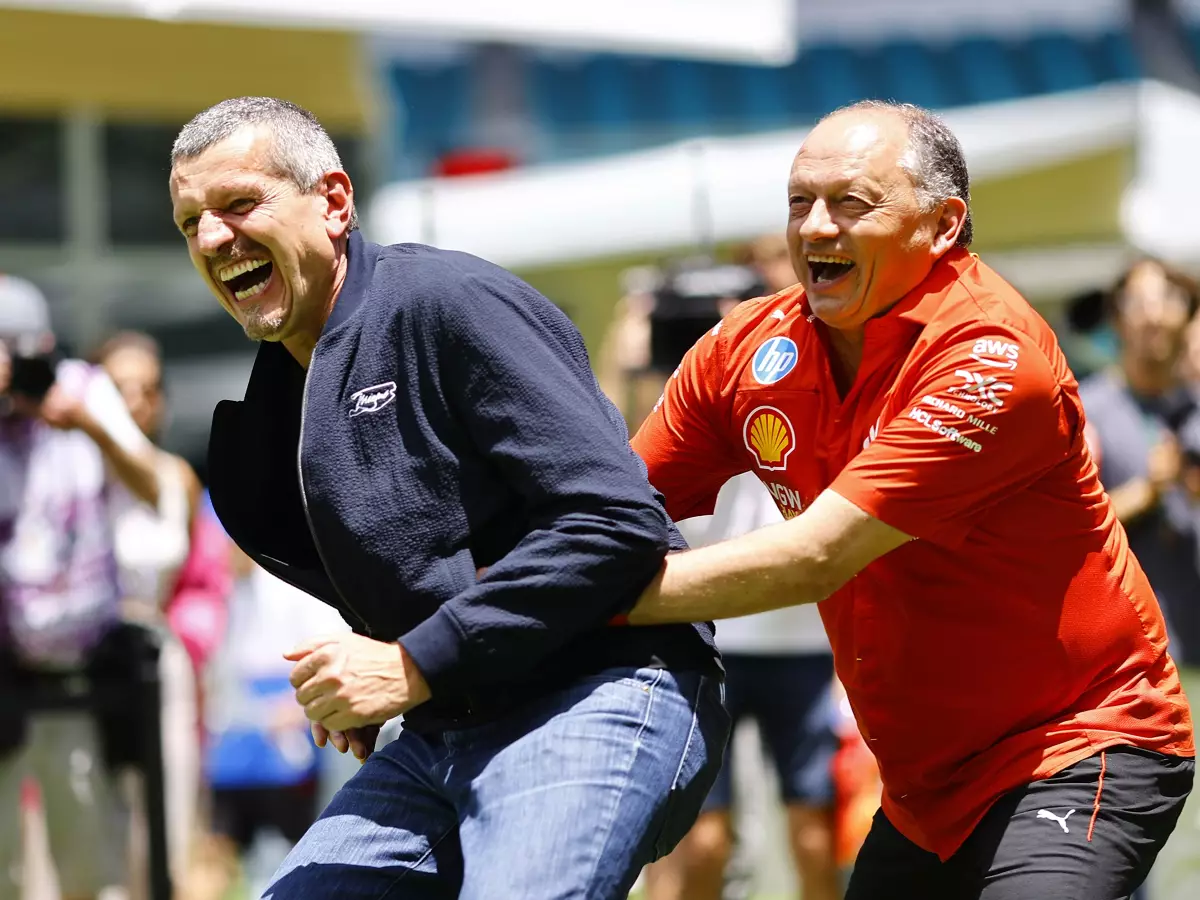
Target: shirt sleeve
518	381
687	453
983	417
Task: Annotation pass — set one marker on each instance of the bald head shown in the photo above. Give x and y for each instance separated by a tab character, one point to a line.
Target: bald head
858	133
929	152
877	194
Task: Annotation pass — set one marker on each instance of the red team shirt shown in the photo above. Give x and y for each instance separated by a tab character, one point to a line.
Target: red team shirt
1018	635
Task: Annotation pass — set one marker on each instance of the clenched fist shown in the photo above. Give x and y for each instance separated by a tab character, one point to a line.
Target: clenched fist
349	681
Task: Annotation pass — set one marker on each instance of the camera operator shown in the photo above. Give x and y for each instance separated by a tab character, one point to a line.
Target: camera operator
66	438
662	312
1134	410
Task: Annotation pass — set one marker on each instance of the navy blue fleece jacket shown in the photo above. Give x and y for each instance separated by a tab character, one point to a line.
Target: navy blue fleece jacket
449	422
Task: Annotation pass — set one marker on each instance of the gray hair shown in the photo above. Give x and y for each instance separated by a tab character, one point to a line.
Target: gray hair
934	159
302	153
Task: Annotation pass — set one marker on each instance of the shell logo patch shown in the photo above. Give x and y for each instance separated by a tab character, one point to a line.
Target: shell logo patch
769	437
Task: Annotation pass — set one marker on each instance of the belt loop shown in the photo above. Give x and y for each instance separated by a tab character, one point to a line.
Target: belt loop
1096	804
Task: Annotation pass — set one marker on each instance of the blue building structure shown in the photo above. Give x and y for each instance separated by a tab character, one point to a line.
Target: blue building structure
568	106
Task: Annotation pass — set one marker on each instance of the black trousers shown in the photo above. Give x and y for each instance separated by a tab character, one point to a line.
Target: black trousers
240	813
1068	837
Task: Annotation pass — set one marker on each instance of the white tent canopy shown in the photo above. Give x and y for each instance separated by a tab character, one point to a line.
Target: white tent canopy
761	31
1160	212
705	190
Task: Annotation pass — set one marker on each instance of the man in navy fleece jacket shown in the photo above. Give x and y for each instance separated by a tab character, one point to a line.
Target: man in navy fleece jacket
415	416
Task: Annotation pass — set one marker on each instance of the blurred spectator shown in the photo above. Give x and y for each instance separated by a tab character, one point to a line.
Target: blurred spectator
779	672
623	361
1190	364
260	761
1189	447
660	315
193	589
768	255
67	443
152	542
154	546
1134	410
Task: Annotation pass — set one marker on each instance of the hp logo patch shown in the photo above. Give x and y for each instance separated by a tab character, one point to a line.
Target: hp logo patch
774	359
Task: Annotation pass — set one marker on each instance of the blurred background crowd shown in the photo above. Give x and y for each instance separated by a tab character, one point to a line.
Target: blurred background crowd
630	161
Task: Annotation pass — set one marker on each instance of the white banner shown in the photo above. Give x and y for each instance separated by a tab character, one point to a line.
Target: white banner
716	189
761	31
1161	208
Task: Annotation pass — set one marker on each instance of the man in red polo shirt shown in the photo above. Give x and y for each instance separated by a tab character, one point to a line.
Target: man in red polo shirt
916	421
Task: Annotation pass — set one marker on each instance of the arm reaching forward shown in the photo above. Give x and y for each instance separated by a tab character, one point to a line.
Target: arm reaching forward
803	560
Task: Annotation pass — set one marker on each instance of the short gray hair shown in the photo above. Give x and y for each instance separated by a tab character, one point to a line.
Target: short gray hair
303	151
934	160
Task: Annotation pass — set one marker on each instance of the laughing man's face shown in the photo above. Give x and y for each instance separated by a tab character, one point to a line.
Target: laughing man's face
264	249
858	235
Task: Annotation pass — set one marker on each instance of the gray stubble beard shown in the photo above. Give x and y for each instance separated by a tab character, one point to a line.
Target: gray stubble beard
263	326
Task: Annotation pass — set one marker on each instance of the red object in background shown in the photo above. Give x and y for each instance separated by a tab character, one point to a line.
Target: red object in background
857	788
473	161
31	795
198	610
857	796
199	605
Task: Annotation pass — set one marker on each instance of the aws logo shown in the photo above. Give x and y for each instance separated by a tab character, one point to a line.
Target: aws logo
769	437
1000	354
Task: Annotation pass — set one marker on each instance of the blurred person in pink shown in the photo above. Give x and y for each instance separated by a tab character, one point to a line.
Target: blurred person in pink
198	607
67	444
154	545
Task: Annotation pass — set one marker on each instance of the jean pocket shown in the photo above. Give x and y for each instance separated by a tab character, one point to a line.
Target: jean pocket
703	754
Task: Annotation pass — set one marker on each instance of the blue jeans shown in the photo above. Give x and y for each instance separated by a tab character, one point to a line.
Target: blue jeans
568	796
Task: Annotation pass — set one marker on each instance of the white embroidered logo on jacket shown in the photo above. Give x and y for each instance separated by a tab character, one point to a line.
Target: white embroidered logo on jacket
373	399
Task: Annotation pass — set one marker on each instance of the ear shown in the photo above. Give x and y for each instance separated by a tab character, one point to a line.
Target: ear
949	224
339	202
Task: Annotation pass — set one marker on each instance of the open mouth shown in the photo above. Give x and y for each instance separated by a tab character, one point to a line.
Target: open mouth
248	278
827	269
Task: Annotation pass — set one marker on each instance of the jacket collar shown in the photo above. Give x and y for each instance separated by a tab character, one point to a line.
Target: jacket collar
361	256
273	360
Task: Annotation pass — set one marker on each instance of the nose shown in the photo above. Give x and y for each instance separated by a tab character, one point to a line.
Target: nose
1155	310
818	225
1160	310
212	234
